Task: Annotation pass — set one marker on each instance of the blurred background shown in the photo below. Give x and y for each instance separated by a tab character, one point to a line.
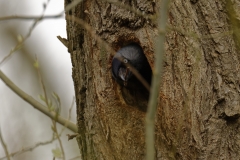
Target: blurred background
21	125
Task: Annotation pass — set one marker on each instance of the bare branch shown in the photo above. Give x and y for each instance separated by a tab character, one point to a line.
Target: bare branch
48	103
72	5
157	72
4	146
41	17
30	148
63	40
69	114
24	17
29	99
23	39
37	19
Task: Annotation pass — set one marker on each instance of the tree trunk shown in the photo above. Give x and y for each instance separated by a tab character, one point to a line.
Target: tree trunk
198	109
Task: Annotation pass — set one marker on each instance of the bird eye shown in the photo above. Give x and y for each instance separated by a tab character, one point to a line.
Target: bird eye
125	61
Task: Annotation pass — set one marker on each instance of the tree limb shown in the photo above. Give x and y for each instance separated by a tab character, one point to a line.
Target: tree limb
29	99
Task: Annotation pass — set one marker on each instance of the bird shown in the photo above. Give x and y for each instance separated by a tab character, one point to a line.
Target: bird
126	62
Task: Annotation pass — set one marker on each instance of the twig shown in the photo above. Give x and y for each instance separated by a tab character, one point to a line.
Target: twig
25	17
157	72
72	136
30	148
4	146
69	114
54	127
63	40
37	19
29	99
20	43
58	138
23	39
72	5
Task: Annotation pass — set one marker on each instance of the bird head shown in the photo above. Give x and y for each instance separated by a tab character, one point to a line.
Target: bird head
124	72
130	56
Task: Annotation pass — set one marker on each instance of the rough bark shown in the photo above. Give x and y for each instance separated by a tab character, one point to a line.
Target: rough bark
198	112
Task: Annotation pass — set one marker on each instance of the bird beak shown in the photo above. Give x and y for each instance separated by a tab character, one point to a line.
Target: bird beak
124	73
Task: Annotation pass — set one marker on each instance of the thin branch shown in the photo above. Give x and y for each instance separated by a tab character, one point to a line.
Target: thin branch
136	73
29	99
37	19
21	93
58	138
23	39
195	36
27	149
24	17
4	146
41	17
63	40
47	101
157	72
90	30
72	5
69	114
43	85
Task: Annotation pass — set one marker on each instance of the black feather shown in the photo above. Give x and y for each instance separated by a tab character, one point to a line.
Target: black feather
134	55
133	92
